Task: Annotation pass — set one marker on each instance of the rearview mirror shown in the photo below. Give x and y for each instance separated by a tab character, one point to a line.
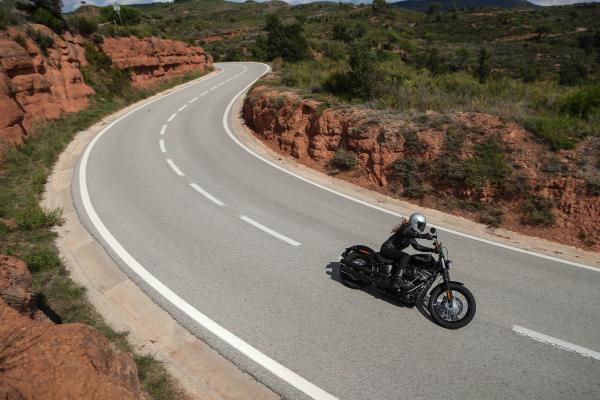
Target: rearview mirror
432	230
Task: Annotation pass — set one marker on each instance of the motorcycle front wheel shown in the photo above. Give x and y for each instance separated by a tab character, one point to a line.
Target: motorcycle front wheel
455	313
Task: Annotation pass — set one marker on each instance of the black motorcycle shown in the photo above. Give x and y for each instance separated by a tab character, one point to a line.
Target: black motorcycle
451	304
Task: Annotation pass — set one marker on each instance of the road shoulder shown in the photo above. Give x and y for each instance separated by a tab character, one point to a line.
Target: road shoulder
202	372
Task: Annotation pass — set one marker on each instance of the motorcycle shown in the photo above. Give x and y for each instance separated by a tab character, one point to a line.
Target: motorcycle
451	305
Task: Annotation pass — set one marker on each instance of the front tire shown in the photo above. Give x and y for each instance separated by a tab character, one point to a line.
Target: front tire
452	314
348	280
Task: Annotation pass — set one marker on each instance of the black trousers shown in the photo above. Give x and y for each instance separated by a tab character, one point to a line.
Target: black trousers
401	258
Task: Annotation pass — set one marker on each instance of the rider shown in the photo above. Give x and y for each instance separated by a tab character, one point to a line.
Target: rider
404	235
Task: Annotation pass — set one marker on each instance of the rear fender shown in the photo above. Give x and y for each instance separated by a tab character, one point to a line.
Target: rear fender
366	250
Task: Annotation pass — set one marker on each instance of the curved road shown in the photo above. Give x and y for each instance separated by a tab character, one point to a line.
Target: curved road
244	256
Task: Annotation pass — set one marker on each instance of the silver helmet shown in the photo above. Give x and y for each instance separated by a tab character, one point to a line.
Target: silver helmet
418	222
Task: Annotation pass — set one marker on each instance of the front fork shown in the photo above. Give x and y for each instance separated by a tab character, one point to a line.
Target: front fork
446	277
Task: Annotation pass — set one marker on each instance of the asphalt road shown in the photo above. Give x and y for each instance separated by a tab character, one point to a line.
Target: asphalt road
244	256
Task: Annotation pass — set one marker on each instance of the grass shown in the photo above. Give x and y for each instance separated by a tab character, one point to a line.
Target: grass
25	228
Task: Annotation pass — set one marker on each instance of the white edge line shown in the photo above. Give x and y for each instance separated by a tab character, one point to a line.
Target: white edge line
207	195
266	362
161	143
373	206
182	107
174	167
269	231
172	117
163	129
540	337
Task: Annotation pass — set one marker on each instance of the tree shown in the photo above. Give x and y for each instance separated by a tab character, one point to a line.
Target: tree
483	68
379	5
462	57
285	40
45	12
363	74
434	9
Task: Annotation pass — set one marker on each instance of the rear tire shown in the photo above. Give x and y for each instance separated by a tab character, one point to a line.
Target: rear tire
438	299
346	278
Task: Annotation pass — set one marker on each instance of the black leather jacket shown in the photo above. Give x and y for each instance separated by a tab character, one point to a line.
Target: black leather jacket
407	236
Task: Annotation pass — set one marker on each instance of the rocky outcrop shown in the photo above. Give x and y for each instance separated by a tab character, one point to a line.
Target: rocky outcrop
152	59
41	360
312	132
36	84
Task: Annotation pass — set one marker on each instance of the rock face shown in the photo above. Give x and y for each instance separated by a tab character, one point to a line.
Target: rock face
312	132
152	59
40	360
35	86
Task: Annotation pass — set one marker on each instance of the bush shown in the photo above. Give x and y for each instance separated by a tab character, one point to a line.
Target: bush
42	258
408	171
491	217
488	164
42	40
583	102
84	26
36	217
559	132
285	41
344	160
45	17
572	73
537	210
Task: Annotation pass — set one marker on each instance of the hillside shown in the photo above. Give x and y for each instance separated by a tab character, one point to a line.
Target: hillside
450	5
534	69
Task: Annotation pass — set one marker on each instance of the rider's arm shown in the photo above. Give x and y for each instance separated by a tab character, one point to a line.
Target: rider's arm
419	247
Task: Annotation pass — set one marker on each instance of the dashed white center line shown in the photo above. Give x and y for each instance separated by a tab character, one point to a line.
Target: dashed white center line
163	129
221	84
174	167
161	143
172	117
207	195
212	88
561	344
193	100
182	107
203	93
269	231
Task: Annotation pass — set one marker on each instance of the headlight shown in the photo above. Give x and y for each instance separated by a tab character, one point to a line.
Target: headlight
448	264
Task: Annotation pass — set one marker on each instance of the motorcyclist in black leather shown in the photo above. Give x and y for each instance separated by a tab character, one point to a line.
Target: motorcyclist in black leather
404	235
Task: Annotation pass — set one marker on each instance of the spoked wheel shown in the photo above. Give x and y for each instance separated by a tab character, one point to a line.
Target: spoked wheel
360	261
453	313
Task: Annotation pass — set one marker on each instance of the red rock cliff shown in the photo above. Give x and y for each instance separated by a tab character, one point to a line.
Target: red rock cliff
36	87
41	360
312	132
152	59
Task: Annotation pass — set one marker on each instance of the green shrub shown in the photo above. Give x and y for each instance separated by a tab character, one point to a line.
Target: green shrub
413	143
42	258
517	185
488	164
492	217
36	217
553	165
572	73
583	102
409	171
344	160
44	16
560	132
537	210
42	40
85	26
20	39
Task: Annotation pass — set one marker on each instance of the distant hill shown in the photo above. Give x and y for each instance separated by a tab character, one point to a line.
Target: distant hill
447	5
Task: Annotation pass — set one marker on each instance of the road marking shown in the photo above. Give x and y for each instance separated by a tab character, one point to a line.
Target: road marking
252	353
212	88
172	117
182	107
207	195
561	344
221	84
193	100
174	167
373	206
203	93
161	143
163	129
270	231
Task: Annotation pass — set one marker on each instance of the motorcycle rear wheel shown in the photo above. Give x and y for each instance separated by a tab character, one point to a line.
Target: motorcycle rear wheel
446	313
348	280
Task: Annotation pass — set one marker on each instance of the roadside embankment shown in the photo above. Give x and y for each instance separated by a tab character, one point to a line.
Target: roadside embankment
54	343
469	164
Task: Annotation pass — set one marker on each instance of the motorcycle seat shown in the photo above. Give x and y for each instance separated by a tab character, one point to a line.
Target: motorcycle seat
384	260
